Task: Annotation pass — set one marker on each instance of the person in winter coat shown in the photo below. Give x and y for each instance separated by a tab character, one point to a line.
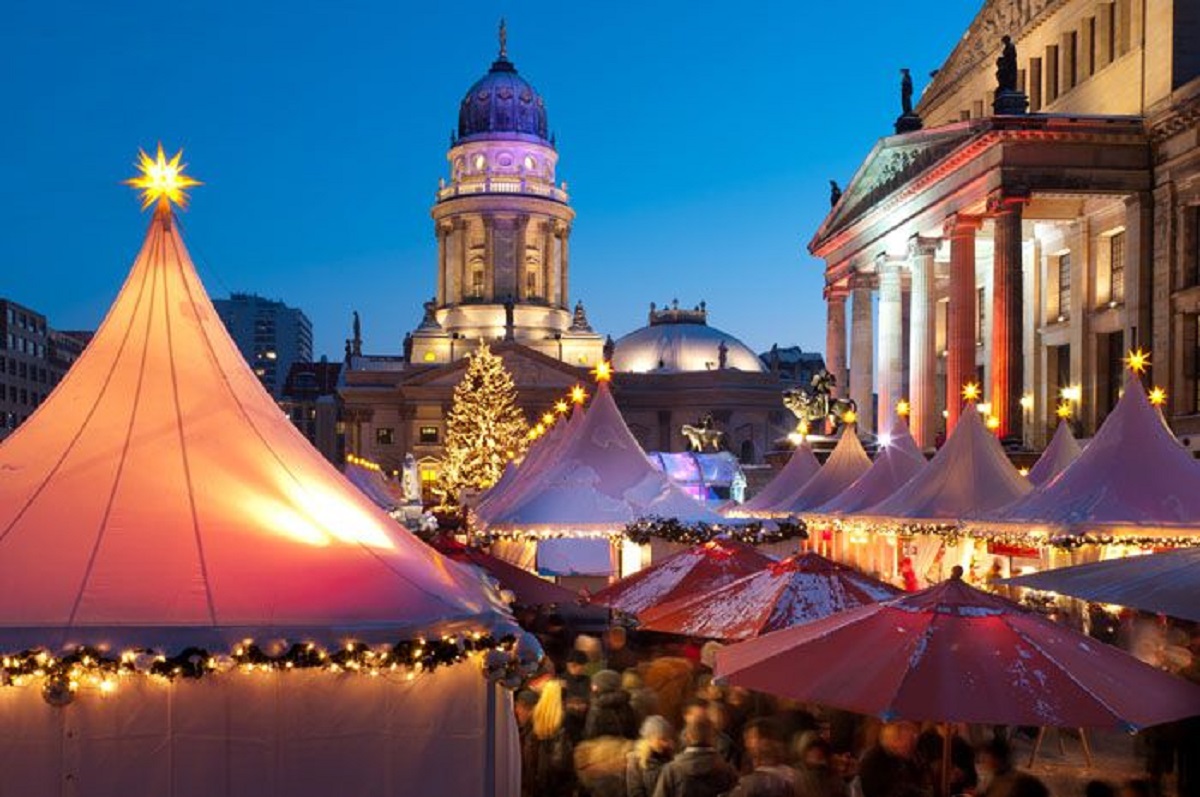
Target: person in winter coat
699	771
651	753
890	768
610	713
815	776
771	777
550	766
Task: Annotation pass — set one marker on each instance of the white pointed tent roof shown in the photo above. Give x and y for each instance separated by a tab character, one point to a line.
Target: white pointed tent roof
969	474
800	467
371	483
846	464
159	497
1062	451
520	477
1133	473
895	464
600	479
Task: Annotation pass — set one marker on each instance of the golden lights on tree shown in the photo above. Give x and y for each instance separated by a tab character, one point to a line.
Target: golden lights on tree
162	181
485	428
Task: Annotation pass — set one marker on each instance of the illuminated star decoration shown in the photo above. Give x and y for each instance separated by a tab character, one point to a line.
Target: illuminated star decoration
1157	396
549	418
849	416
602	371
1064	410
903	408
578	394
1137	360
992	422
970	391
561	407
162	181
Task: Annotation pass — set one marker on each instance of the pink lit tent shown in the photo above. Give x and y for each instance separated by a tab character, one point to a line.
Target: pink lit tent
898	461
1062	451
970	473
598	479
800	467
1133	479
846	464
160	499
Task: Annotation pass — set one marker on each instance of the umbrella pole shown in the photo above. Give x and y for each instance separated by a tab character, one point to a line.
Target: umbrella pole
945	759
1087	749
1037	745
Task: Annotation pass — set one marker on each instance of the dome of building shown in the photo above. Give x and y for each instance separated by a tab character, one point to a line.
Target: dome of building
502	103
681	340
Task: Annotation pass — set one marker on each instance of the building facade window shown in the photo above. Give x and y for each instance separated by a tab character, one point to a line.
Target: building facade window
428	434
385	436
980	315
1116	260
1051	73
477	282
1064	286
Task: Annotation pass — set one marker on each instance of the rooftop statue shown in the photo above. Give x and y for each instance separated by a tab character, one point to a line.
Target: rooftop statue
1006	66
906	93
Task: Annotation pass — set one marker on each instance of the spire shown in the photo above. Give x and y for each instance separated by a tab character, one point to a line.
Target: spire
503	39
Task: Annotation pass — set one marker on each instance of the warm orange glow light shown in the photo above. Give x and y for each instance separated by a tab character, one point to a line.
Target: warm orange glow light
903	408
561	407
1137	360
849	416
992	422
1158	396
1064	409
602	371
162	181
578	394
971	392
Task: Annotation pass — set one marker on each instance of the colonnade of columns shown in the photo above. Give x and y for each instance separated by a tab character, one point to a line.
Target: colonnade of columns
876	364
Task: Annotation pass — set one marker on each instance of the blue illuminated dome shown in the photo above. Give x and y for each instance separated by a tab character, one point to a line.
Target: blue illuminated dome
502	104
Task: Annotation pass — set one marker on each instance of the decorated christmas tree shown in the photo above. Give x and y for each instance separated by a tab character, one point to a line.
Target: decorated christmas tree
485	429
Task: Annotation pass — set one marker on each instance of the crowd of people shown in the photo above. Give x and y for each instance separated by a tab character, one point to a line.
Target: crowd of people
609	718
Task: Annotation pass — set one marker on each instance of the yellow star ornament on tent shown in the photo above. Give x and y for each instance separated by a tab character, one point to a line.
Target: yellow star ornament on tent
1137	360
162	181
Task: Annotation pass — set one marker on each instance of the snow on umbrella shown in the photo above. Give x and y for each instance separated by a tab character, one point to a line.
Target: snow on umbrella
800	589
952	653
695	571
1164	583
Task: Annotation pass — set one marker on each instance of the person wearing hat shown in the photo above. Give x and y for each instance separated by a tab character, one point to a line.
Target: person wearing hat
610	713
577	694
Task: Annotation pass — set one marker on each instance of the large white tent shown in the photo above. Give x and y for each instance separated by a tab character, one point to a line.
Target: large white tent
969	474
1133	479
1062	451
800	467
159	499
899	460
846	464
518	478
598	478
369	479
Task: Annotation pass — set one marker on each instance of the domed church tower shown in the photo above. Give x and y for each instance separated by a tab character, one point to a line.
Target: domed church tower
503	226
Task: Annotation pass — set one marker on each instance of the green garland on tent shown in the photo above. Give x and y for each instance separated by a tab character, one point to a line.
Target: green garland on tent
641	531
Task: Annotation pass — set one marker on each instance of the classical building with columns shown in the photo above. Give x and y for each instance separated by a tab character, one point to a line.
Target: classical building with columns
502	221
1026	239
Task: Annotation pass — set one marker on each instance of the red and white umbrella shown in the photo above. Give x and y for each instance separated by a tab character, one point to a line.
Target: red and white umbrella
696	571
952	653
800	589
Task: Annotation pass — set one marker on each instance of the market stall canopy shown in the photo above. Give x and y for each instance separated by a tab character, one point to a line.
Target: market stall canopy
528	589
800	467
1062	451
1163	583
970	473
952	653
846	464
519	477
371	482
899	460
695	571
1134	476
600	479
799	589
159	497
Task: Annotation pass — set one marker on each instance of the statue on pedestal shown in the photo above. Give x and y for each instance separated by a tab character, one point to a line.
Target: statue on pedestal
818	406
908	120
410	480
1009	100
835	193
703	434
722	356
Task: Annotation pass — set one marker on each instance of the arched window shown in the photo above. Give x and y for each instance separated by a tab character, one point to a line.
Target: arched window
746	452
531	283
476	288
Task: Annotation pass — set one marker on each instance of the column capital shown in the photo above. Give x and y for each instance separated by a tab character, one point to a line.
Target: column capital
1008	199
960	225
920	246
836	293
887	265
860	279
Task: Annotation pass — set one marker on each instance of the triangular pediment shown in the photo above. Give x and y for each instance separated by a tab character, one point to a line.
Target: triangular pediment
892	162
529	368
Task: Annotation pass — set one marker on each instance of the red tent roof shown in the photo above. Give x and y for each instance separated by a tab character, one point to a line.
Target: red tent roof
696	571
799	589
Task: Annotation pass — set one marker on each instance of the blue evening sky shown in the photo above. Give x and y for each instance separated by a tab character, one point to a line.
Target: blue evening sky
697	139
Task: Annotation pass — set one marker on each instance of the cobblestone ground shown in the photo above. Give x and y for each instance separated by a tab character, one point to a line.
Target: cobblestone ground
1116	758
